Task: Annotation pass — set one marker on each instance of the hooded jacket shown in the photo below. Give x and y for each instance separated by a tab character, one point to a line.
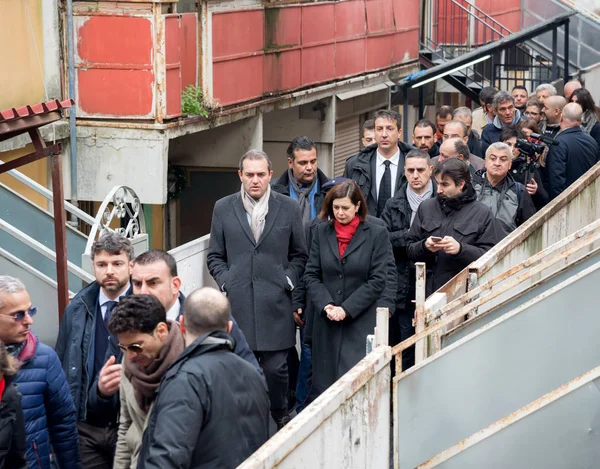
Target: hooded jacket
12	428
468	221
509	201
361	168
211	411
491	132
47	407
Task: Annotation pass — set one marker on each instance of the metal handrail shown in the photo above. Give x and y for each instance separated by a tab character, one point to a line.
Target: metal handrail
48	195
43	250
483	22
485	15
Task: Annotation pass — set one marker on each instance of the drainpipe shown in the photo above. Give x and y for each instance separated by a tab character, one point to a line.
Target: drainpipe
72	130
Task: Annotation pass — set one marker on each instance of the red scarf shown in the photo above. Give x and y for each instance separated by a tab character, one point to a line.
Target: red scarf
2	386
344	233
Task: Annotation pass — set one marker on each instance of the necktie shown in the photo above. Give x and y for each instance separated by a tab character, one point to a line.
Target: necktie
110	305
385	188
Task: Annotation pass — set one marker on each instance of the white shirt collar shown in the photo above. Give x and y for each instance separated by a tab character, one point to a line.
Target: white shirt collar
173	313
102	298
394	159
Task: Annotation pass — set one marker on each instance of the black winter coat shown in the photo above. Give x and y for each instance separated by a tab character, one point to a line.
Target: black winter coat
397	215
12	429
469	222
575	153
211	411
282	186
355	282
361	169
254	274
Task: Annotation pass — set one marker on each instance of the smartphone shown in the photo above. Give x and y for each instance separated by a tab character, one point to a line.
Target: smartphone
436	239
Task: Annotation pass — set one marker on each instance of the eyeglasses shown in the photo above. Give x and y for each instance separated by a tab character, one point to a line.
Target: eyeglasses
135	348
20	315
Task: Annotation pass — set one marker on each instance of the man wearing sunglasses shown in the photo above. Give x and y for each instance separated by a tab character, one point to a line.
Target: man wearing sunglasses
90	354
47	404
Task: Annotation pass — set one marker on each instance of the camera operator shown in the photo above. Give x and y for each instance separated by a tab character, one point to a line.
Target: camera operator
508	199
525	168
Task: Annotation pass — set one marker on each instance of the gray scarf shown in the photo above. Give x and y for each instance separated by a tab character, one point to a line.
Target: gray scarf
589	120
257	209
415	199
302	194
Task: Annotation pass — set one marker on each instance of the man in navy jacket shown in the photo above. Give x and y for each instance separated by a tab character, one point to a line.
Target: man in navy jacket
575	153
47	404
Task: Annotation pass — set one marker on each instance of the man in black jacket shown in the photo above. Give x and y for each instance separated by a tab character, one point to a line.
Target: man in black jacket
452	230
212	408
398	215
379	169
424	137
573	156
495	187
90	355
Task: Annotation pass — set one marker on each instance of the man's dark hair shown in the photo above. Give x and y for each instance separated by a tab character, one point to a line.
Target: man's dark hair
418	154
454	169
112	243
424	123
255	155
368	125
157	255
462	148
510	131
487	94
520	87
299	143
348	189
390	116
444	111
206	310
586	101
137	313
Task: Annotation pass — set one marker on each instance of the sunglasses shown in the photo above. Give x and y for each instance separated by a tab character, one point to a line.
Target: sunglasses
135	348
20	315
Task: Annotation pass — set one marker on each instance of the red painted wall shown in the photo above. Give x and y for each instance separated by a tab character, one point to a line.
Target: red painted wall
284	48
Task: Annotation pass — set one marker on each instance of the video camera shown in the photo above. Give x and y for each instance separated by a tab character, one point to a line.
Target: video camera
532	149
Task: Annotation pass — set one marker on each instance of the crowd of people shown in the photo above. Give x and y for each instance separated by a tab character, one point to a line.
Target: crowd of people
143	377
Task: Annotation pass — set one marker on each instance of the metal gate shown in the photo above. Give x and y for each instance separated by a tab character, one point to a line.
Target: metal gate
347	142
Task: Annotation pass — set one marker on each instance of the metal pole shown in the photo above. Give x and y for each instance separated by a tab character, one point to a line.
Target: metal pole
421	107
382	327
567	76
72	128
405	111
554	54
419	312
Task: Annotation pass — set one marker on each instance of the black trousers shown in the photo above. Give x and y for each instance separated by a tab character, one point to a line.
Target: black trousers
275	367
97	446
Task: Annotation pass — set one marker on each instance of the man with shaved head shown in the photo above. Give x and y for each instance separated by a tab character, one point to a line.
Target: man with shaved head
575	153
455	148
552	109
212	407
570	87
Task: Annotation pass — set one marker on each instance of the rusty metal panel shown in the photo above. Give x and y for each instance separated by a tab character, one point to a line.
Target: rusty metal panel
229	88
350	57
406	46
318	23
497	376
282	70
115	71
406	14
283	27
189	50
318	64
237	33
380	51
173	65
380	16
453	21
350	19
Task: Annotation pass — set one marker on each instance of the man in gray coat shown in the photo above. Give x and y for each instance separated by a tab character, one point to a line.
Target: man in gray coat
256	255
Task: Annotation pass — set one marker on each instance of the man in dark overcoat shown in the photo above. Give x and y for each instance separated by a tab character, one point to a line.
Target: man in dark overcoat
256	255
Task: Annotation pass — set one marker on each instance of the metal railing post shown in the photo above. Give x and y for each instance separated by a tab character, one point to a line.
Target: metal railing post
566	53
554	54
420	311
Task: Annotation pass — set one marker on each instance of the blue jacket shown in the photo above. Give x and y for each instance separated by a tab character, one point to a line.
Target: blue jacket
75	349
491	132
575	153
47	407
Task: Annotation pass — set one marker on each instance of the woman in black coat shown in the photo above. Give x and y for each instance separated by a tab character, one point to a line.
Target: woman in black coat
12	424
345	278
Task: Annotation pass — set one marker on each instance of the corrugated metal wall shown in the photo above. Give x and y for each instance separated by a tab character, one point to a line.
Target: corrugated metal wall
347	142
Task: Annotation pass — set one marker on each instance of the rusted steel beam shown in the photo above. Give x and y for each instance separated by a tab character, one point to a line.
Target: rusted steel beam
557	257
31	157
523	412
160	62
419	319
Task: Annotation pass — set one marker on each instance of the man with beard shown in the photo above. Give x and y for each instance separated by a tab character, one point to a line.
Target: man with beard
90	355
519	92
452	230
552	109
424	137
